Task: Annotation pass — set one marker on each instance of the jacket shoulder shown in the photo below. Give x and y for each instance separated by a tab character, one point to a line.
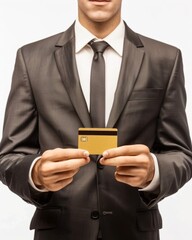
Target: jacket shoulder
46	44
51	42
158	48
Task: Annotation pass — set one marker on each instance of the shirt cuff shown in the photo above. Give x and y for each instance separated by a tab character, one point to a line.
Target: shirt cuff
30	177
154	184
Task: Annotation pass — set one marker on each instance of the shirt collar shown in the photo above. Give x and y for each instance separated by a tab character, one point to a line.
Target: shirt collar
114	39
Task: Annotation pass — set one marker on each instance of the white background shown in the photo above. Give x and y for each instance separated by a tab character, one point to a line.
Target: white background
24	21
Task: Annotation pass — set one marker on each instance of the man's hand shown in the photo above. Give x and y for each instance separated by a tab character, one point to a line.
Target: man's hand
134	164
56	168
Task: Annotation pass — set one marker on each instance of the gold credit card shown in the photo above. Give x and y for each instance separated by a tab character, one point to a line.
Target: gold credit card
97	140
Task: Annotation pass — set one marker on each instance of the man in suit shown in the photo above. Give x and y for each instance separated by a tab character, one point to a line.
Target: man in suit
79	196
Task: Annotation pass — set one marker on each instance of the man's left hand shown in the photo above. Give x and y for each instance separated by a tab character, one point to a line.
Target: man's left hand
134	164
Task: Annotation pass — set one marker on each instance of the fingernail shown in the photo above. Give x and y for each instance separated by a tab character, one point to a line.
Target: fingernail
86	153
105	154
101	160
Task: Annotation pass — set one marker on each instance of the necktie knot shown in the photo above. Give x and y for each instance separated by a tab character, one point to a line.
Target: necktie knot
98	47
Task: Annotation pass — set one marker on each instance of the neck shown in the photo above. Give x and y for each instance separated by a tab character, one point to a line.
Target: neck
100	29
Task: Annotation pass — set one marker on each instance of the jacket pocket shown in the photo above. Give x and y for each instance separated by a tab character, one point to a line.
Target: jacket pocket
146	94
149	220
45	218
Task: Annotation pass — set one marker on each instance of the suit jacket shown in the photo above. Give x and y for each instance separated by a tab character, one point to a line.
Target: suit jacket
46	107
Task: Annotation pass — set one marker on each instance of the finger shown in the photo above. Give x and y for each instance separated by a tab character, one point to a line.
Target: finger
121	161
142	160
128	150
71	164
131	171
56	186
130	180
48	180
50	168
60	154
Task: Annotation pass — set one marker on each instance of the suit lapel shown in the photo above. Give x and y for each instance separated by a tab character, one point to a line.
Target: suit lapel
65	59
131	64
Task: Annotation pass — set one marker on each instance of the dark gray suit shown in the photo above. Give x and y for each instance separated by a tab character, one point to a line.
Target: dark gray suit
46	107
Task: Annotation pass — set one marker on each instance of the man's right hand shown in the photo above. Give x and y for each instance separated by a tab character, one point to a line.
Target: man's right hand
56	168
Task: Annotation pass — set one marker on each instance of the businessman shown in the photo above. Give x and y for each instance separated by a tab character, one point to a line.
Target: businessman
98	73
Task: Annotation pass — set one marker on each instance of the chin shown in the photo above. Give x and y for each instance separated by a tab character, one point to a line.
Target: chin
99	18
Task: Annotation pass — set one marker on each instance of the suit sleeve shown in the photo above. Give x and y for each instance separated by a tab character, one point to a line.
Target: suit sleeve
173	145
19	145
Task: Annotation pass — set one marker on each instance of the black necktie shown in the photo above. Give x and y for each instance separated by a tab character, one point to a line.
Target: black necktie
97	86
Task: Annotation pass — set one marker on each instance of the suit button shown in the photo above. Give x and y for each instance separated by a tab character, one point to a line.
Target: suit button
95	215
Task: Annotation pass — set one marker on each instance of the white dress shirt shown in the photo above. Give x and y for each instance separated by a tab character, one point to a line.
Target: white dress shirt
113	57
